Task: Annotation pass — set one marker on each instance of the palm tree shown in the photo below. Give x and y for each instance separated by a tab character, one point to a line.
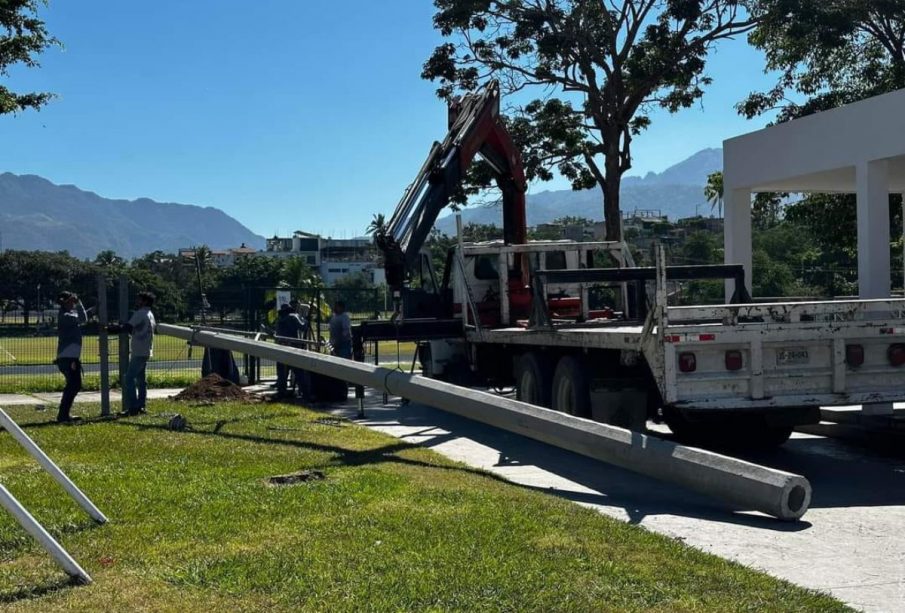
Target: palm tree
378	225
713	191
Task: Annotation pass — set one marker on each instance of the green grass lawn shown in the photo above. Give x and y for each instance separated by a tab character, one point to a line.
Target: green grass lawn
392	527
42	349
29	350
34	384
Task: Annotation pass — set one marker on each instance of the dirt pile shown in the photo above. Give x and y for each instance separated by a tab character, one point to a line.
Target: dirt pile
216	389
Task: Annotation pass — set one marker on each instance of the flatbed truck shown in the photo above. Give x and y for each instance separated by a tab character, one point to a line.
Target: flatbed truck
577	327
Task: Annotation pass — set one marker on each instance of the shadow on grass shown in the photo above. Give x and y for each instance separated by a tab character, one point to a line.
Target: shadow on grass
344	456
593	482
30	593
83	421
662	498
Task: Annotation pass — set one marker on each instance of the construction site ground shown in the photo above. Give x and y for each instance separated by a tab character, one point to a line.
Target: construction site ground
850	543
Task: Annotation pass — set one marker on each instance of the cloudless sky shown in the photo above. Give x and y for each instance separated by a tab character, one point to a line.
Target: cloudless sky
285	114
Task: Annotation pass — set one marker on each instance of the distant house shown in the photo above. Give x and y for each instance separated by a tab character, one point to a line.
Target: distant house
221	258
300	244
710	224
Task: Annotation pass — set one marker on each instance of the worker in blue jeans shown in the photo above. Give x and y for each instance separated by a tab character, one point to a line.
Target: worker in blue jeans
140	327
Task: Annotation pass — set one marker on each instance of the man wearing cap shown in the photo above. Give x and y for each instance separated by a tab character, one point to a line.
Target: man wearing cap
289	326
71	318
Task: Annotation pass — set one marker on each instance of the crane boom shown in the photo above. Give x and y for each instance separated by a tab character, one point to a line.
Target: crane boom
475	128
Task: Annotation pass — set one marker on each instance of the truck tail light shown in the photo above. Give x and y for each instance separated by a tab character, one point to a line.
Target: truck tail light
896	354
734	360
854	355
687	362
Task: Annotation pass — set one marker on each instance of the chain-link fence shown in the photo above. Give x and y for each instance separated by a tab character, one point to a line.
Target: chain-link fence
28	344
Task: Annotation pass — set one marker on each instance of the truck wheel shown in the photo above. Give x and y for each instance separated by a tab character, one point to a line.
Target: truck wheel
745	433
532	379
571	392
771	436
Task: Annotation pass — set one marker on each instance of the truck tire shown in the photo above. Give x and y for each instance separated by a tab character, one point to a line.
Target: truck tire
772	436
532	379
746	433
571	391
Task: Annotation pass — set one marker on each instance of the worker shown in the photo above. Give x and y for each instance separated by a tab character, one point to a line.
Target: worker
289	328
141	326
71	318
341	331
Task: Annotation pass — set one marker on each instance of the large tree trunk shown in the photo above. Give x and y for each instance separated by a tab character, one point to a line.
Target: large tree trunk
611	211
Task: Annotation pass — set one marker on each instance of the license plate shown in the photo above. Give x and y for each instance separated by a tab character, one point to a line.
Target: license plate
792	356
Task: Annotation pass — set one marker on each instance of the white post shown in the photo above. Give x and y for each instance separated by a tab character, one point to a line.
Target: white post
874	276
873	229
737	235
52	469
41	535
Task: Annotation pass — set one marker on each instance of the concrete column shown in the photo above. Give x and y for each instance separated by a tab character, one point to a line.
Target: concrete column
873	229
737	234
873	243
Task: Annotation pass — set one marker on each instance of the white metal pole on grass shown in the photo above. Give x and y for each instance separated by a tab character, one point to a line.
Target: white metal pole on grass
41	535
52	469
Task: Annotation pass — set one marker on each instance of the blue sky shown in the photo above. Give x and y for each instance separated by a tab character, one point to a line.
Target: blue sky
286	114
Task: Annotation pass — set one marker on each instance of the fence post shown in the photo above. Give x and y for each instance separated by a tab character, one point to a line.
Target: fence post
123	337
103	341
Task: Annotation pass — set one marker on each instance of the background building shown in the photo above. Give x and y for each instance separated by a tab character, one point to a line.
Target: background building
333	258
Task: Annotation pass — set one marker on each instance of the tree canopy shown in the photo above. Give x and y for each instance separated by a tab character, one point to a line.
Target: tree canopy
23	37
599	67
828	53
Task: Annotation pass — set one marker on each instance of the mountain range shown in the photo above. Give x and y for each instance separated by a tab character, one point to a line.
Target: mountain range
36	214
676	192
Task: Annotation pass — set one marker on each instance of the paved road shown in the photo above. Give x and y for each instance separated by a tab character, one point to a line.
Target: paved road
851	542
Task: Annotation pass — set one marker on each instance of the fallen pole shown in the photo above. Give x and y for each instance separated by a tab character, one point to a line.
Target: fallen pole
746	485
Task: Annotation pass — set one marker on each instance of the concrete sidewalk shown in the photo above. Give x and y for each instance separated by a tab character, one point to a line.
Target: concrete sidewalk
850	543
53	398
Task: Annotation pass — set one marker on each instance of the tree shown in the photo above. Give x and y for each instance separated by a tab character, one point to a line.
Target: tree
481	232
33	279
828	52
618	60
766	210
702	247
252	272
297	273
713	191
109	263
22	38
358	292
378	225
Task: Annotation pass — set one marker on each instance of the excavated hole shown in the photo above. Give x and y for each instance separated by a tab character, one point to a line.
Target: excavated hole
303	476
